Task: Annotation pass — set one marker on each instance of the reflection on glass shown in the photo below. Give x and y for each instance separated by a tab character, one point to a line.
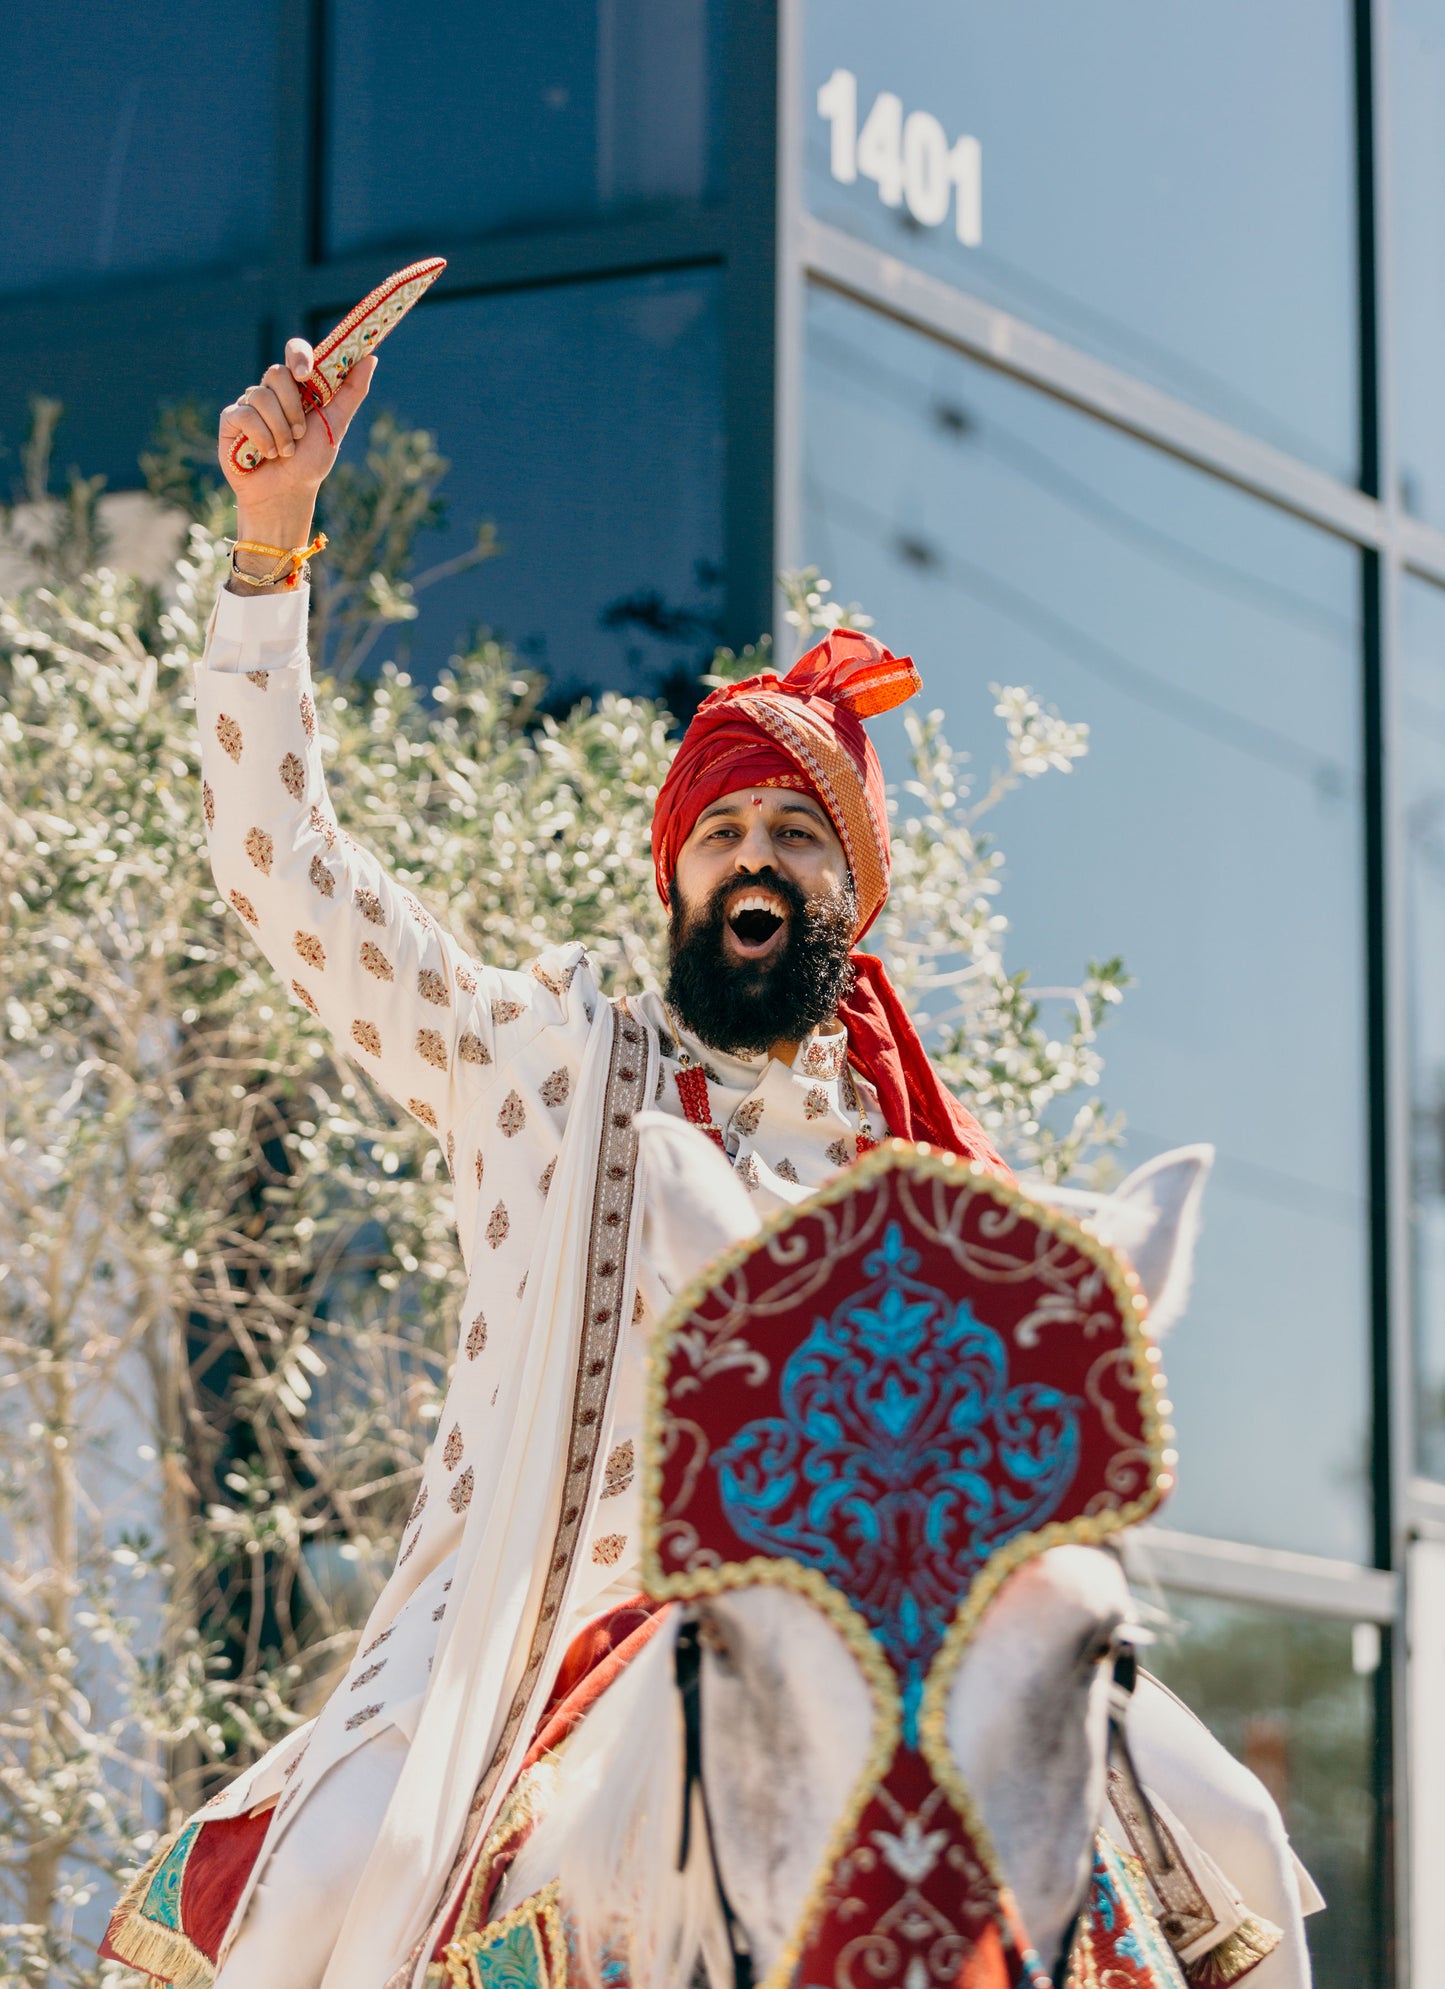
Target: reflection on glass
1417	237
485	117
1422	660
586	423
124	144
1292	1697
1212	837
1170	188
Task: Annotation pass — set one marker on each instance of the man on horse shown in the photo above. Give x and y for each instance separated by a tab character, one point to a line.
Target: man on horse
786	1046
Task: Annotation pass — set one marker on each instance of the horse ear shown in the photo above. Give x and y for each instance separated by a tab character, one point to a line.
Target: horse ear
1153	1217
694	1205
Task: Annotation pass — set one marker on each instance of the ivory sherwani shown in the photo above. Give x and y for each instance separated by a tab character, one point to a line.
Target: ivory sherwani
509	1070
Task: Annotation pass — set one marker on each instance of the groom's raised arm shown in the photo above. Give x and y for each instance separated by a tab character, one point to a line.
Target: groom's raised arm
395	991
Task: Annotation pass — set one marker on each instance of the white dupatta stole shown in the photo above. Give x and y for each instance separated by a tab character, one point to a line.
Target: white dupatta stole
500	1646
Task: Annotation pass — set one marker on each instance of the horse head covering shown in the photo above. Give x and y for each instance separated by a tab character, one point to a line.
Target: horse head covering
805	731
888	1400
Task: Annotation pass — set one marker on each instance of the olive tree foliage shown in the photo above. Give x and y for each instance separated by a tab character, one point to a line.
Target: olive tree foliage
228	1272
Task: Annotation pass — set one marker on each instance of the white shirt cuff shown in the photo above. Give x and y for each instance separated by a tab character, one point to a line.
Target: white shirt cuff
257	631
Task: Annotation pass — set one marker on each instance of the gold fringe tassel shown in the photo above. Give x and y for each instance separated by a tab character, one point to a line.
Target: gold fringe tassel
163	1952
1236	1954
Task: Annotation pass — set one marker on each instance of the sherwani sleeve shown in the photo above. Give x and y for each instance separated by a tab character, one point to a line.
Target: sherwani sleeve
396	992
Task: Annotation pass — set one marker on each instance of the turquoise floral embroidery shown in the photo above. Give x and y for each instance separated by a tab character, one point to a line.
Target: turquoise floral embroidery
902	1459
513	1961
163	1894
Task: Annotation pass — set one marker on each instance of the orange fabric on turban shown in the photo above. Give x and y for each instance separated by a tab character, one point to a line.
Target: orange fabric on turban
805	731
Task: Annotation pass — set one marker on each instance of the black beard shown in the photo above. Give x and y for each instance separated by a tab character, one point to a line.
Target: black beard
745	1009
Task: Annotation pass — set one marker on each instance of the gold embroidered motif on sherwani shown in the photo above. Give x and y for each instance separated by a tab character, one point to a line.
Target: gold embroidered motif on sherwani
431	1046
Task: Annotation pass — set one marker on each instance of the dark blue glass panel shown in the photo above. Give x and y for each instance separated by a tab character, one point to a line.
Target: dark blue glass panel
464	120
133	138
1170	188
1417	237
1212	837
1422	669
1292	1697
112	376
586	422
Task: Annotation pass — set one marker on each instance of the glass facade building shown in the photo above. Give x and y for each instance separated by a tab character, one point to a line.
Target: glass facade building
1097	349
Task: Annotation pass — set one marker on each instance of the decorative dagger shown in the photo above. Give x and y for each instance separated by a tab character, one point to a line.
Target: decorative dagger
360	331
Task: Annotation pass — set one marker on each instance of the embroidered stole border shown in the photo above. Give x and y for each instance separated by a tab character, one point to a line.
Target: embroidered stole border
604	1296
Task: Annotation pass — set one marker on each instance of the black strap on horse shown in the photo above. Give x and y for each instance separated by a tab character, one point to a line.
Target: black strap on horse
1121	1755
688	1661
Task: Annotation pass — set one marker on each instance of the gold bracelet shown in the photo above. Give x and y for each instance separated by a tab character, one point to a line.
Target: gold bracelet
289	561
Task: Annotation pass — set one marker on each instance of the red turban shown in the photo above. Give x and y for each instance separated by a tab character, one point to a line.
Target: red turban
805	731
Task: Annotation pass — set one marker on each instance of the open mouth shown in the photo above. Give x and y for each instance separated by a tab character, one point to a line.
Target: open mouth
756	922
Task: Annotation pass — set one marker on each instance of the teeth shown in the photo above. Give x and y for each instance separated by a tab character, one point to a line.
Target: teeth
758	901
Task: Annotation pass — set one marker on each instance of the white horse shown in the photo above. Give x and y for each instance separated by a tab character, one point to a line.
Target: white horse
786	1724
786	1719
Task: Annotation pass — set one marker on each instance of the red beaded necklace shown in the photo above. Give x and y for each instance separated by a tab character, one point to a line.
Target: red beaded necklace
696	1101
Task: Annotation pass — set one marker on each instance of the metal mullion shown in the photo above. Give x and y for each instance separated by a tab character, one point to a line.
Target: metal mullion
178	298
1394	1348
788	333
297	169
1389	1060
1384	939
1274	1577
981	331
626	247
751	109
1421	547
1396	1337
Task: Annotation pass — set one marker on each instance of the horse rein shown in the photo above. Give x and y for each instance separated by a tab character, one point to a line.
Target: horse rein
687	1659
688	1666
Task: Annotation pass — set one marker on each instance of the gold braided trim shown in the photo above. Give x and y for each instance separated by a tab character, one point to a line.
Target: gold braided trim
522	1809
540	1916
1251	1942
839	788
164	1952
631	1072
